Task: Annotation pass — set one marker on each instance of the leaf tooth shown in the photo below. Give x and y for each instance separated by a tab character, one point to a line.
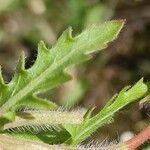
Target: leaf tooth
21	64
2	83
66	35
70	34
42	47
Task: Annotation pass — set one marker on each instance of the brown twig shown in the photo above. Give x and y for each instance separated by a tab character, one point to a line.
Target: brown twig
1	148
139	139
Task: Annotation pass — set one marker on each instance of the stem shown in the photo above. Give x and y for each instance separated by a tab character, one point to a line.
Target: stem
33	118
10	142
139	139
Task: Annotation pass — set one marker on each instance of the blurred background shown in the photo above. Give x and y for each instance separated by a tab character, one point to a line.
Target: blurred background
23	23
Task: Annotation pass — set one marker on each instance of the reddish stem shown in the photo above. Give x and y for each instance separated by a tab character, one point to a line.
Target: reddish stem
1	147
139	139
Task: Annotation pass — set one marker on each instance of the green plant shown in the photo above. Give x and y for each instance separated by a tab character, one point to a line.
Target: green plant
41	124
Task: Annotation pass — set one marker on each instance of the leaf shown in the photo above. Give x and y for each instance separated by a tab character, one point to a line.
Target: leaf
48	70
54	136
125	97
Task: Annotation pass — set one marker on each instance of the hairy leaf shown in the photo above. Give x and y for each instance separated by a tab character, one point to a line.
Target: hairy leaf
125	97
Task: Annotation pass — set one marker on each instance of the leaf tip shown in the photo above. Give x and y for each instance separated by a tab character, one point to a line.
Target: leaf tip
121	23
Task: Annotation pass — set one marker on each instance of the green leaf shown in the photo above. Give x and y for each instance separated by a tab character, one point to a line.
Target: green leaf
125	97
48	70
54	136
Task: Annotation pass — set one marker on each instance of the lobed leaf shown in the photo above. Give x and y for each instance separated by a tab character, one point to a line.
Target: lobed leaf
47	73
48	70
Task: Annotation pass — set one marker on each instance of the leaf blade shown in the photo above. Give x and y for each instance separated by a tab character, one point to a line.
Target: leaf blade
67	51
125	97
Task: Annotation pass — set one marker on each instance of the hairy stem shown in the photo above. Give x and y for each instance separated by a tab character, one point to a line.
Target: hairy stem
18	144
10	143
29	118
